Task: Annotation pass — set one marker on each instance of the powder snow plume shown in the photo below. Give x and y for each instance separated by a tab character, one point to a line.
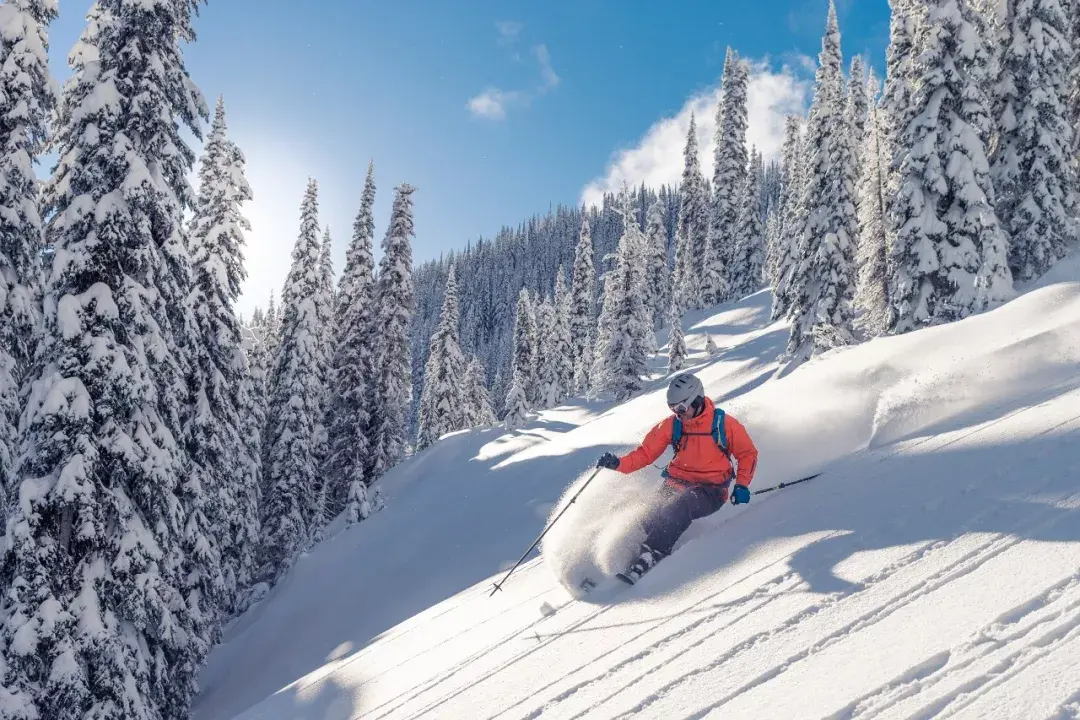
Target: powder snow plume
600	534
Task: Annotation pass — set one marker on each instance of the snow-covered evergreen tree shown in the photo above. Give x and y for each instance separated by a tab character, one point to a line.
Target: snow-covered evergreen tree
710	346
749	259
871	292
676	339
1033	161
220	435
563	340
27	97
523	361
896	110
547	371
659	284
1073	9
442	400
857	108
790	221
582	304
393	357
530	372
324	305
327	299
517	407
729	175
296	406
478	399
823	283
948	259
272	335
692	254
96	620
772	242
352	366
253	418
621	349
28	94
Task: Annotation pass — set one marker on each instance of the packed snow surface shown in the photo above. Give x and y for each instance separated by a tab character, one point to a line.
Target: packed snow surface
932	570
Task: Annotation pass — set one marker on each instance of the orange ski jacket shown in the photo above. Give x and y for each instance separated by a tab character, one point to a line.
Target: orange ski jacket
699	459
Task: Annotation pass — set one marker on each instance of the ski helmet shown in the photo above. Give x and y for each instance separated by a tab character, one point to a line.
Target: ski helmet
685	390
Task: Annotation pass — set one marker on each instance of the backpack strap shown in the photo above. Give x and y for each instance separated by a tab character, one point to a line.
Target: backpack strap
676	434
719	433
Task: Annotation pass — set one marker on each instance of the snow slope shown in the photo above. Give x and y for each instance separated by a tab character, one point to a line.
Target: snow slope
933	570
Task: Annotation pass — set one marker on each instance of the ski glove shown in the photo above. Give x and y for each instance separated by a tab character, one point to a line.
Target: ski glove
609	461
740	495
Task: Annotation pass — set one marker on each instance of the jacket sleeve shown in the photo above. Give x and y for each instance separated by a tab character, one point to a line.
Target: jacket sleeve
742	448
651	448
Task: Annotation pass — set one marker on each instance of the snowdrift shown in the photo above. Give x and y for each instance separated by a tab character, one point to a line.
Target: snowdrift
930	571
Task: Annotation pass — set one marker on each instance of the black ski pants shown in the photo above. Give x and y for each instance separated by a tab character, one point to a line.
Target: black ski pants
679	505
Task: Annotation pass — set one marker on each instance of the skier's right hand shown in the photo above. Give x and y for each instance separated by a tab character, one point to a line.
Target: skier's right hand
610	461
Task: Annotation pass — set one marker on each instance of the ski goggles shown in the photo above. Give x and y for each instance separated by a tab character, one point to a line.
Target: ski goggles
681	407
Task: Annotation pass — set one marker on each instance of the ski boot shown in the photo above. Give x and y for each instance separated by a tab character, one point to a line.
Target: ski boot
645	562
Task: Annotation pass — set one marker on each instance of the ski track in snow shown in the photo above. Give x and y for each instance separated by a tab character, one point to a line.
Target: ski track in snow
630	672
1014	642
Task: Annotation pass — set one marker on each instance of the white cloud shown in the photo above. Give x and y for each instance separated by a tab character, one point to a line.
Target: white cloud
508	31
657	159
543	57
493	102
490	104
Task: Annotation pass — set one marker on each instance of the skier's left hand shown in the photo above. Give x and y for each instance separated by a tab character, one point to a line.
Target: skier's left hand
609	461
740	495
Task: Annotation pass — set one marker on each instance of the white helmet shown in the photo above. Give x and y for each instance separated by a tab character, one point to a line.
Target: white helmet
684	389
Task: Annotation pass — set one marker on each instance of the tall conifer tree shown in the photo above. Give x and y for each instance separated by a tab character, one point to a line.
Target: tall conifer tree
393	356
220	435
352	366
296	402
442	401
824	282
729	175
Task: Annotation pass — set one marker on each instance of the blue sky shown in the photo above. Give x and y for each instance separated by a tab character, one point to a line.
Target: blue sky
492	110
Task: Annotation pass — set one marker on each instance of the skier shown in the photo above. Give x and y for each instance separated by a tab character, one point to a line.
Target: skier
711	449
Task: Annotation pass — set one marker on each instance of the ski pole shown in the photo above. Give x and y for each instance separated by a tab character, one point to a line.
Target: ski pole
498	585
781	486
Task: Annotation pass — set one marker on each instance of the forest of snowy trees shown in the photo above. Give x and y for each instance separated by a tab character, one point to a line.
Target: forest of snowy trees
165	461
